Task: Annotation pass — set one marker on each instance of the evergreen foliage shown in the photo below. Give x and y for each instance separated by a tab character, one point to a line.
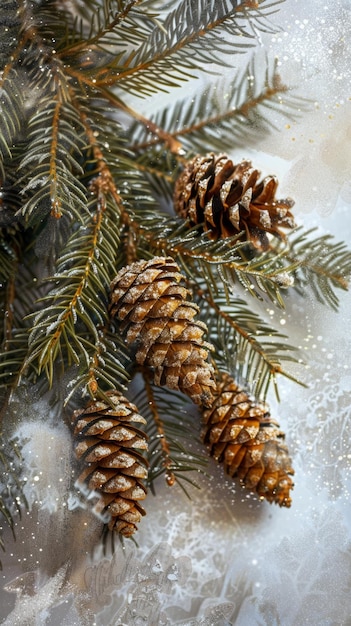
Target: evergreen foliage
85	179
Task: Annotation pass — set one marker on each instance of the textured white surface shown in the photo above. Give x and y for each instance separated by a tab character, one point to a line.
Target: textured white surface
224	558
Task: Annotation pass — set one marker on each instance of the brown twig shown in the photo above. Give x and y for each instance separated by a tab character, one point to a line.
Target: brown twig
166	452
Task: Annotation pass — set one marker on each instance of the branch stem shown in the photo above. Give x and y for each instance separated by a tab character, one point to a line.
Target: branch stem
241	111
166	452
170	50
274	368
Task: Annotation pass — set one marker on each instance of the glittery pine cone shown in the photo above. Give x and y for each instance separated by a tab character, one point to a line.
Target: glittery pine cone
228	199
158	321
242	435
109	446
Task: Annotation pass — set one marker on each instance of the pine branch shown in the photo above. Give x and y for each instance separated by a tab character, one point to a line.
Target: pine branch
112	159
169	428
225	261
72	326
252	350
266	275
211	121
161	170
20	292
114	26
324	265
8	258
172	143
9	30
83	276
191	36
12	113
160	5
109	367
51	165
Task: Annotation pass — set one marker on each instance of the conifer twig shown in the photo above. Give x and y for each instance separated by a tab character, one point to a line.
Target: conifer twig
167	138
167	462
272	365
95	39
241	111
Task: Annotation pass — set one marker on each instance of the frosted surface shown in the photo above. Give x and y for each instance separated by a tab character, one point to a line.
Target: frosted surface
223	558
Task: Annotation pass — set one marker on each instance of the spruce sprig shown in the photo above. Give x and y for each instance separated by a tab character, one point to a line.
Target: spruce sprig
228	261
79	292
169	429
51	167
12	498
247	345
211	121
324	265
175	48
11	112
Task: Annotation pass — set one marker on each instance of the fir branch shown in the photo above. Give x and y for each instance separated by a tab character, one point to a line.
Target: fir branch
11	495
4	510
50	165
267	274
8	258
225	261
12	358
109	366
169	428
84	272
165	450
160	5
116	24
11	200
20	292
9	32
160	170
112	161
12	114
43	23
192	35
171	142
8	307
215	121
244	344
324	265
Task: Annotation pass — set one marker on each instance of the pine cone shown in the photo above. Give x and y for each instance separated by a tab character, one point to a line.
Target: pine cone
242	435
158	320
228	199
107	445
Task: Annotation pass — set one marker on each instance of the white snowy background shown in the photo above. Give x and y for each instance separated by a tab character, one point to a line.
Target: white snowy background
223	558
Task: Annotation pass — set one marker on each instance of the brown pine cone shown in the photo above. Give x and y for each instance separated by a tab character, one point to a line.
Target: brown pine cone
229	199
108	445
155	316
242	435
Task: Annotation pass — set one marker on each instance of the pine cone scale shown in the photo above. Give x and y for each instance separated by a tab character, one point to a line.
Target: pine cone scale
118	459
